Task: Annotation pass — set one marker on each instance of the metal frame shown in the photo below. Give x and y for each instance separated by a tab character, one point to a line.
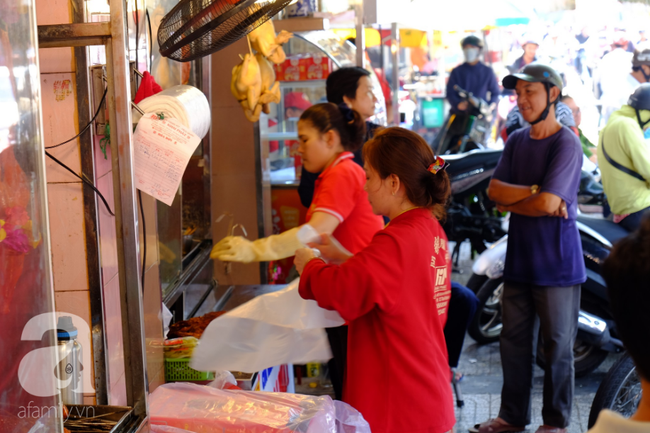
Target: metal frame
114	37
95	282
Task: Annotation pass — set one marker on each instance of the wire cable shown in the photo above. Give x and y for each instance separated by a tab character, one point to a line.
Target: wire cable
85	128
84	180
144	240
150	40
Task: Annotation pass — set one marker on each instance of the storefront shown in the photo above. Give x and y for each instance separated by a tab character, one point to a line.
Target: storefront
102	259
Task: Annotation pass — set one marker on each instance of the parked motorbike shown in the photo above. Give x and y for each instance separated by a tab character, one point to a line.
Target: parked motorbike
596	329
466	131
472	215
620	391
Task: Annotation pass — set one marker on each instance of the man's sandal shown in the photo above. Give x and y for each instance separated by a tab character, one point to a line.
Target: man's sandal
496	426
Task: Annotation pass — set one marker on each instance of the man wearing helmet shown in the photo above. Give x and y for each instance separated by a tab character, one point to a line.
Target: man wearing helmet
473	76
530	46
624	157
617	88
537	180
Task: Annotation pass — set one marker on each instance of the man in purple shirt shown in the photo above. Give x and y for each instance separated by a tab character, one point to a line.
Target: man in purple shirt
537	180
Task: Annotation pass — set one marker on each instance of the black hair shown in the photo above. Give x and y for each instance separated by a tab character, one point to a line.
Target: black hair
627	274
344	82
348	123
407	155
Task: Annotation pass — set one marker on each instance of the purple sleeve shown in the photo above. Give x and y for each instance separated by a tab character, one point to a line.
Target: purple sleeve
562	176
503	172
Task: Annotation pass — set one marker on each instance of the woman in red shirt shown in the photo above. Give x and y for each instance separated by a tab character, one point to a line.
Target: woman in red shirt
328	135
394	293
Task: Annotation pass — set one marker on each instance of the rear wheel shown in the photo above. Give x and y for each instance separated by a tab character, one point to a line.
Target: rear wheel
620	391
486	325
475	282
586	357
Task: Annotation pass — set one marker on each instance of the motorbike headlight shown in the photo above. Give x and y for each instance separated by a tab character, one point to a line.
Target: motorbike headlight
496	269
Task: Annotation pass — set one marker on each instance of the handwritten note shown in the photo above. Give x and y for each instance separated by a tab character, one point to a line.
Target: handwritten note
162	150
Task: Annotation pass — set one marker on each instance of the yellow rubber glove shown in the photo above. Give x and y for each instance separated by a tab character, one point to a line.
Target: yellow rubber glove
239	249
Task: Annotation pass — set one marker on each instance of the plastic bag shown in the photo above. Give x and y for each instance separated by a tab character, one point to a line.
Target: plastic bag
223	380
202	409
159	428
167	317
272	329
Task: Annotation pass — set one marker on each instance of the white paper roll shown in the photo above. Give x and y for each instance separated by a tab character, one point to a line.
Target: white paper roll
187	104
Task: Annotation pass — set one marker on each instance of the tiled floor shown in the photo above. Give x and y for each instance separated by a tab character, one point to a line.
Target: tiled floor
481	385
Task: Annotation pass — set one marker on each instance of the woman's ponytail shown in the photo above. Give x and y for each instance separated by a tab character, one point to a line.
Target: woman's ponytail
356	127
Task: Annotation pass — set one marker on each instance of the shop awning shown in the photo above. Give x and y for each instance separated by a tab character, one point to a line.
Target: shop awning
463	14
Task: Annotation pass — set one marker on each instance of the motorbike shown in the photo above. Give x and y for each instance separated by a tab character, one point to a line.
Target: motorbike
471	215
620	391
465	131
596	329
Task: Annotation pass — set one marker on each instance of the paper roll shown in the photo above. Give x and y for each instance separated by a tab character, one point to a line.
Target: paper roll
187	104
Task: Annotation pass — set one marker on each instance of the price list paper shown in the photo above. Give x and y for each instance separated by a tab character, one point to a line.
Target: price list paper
163	148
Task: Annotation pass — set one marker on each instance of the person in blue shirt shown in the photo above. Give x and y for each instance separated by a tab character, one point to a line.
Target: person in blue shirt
537	180
472	76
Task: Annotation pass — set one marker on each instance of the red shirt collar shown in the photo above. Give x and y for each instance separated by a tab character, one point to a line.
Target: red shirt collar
337	161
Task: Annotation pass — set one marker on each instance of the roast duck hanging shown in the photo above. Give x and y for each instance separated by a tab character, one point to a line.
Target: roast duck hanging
253	80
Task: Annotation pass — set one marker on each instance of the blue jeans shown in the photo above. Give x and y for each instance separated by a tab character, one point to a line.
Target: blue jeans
462	306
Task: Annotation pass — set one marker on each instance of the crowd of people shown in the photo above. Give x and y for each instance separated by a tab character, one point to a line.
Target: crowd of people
390	279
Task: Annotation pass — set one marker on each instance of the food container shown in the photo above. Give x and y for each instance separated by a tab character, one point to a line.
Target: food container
180	347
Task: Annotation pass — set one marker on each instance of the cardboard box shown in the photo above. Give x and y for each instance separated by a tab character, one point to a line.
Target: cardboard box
290	70
304	68
316	67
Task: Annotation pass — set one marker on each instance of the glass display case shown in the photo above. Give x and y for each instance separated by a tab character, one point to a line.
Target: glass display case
311	57
29	391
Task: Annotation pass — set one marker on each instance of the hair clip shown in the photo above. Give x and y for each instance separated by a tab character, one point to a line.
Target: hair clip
347	112
438	165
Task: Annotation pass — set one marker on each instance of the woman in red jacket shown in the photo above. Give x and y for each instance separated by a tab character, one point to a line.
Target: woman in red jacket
395	292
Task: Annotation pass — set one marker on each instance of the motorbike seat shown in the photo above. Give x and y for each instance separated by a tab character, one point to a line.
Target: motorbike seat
607	229
589	185
463	163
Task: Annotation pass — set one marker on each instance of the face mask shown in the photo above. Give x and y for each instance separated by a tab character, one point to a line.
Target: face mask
471	54
646	134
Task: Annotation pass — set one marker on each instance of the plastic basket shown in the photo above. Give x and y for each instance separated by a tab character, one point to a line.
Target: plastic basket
178	370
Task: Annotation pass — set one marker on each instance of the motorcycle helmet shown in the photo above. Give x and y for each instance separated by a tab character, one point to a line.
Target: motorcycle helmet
473	41
537	73
640	100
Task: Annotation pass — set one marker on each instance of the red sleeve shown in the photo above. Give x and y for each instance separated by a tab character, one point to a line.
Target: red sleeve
339	192
370	279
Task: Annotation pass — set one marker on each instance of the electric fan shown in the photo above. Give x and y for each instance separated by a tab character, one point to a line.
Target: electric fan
197	28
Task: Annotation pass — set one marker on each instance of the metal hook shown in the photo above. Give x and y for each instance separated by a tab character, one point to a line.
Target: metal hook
138	109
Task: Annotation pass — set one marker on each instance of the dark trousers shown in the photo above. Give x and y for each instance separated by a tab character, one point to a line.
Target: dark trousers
462	306
557	309
633	220
338	338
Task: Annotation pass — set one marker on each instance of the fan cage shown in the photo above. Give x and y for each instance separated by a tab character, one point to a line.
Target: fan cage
197	28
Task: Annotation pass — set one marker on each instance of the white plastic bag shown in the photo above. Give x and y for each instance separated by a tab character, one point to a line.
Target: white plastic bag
203	409
222	379
272	329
